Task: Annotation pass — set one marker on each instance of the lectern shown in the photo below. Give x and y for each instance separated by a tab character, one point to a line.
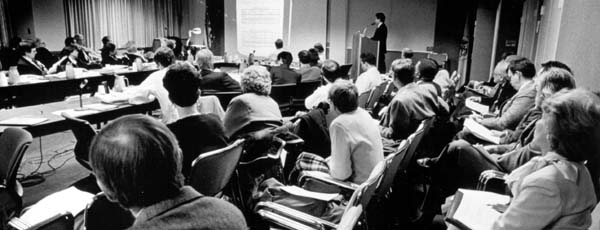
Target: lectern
361	44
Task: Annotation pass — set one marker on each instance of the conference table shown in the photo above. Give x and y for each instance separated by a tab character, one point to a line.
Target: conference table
96	112
35	90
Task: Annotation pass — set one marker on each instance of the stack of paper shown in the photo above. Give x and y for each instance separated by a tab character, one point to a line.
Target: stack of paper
70	200
297	191
473	209
479	108
480	131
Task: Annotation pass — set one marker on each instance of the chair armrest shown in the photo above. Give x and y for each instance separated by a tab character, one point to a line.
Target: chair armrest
283	221
492	180
326	178
294	214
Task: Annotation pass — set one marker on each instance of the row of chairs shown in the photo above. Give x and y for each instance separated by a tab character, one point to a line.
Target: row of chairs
288	96
377	187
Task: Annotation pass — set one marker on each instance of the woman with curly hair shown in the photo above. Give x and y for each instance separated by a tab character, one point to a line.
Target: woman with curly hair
254	109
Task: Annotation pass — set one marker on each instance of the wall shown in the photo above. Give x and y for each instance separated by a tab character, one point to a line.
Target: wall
411	23
49	23
449	29
21	19
577	44
483	40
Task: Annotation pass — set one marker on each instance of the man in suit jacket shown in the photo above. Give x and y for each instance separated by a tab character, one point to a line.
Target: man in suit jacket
212	80
381	36
410	105
282	74
27	63
521	71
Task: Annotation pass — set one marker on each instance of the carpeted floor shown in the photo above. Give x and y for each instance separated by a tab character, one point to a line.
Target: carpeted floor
55	163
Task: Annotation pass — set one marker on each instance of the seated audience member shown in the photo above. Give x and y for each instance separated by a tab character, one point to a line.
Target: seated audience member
461	163
9	56
283	74
105	40
153	86
407	53
499	91
109	56
321	50
137	164
555	190
27	64
77	54
43	54
521	72
371	77
278	49
254	106
309	66
442	78
87	52
426	70
356	145
409	106
330	75
132	53
196	133
211	80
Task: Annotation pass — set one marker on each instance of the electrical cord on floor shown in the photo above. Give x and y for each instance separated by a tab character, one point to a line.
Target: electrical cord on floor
36	177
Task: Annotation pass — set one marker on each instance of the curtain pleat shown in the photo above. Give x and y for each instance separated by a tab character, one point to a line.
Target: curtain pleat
123	20
3	24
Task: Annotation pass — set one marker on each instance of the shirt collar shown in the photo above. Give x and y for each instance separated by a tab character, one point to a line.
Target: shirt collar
186	193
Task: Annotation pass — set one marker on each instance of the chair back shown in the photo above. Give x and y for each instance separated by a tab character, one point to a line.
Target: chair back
283	94
305	89
84	133
415	141
365	191
392	162
13	144
212	171
224	97
101	209
363	99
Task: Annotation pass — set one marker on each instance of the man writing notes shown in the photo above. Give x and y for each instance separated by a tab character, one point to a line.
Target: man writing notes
380	36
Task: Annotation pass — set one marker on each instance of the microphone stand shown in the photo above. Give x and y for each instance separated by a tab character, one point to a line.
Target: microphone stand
82	86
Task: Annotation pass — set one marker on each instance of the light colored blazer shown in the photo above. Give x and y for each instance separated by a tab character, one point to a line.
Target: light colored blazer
550	192
514	109
249	107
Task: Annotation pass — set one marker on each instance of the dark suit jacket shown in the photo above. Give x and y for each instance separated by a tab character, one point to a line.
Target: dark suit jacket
381	36
45	56
284	75
190	210
218	81
408	108
113	60
30	67
312	73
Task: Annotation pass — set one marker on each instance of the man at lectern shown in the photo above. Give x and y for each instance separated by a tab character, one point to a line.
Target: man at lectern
380	36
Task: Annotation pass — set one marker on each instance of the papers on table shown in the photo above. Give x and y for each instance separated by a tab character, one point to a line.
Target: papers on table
23	121
297	191
74	112
70	200
100	106
480	131
32	79
473	209
114	97
477	107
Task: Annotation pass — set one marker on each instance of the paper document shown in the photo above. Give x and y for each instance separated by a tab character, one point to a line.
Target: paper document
23	121
100	106
474	209
477	107
297	191
114	97
70	200
481	131
74	113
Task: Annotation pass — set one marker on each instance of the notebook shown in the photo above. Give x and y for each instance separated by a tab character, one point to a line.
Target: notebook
472	209
477	107
480	131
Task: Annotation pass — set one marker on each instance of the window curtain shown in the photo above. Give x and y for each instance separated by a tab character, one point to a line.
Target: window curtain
3	24
123	20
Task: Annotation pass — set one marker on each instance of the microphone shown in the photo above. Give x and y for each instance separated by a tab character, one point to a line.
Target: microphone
373	23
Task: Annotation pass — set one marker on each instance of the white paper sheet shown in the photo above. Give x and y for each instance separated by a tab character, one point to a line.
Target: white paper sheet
74	113
23	121
71	200
294	190
481	131
475	210
479	108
